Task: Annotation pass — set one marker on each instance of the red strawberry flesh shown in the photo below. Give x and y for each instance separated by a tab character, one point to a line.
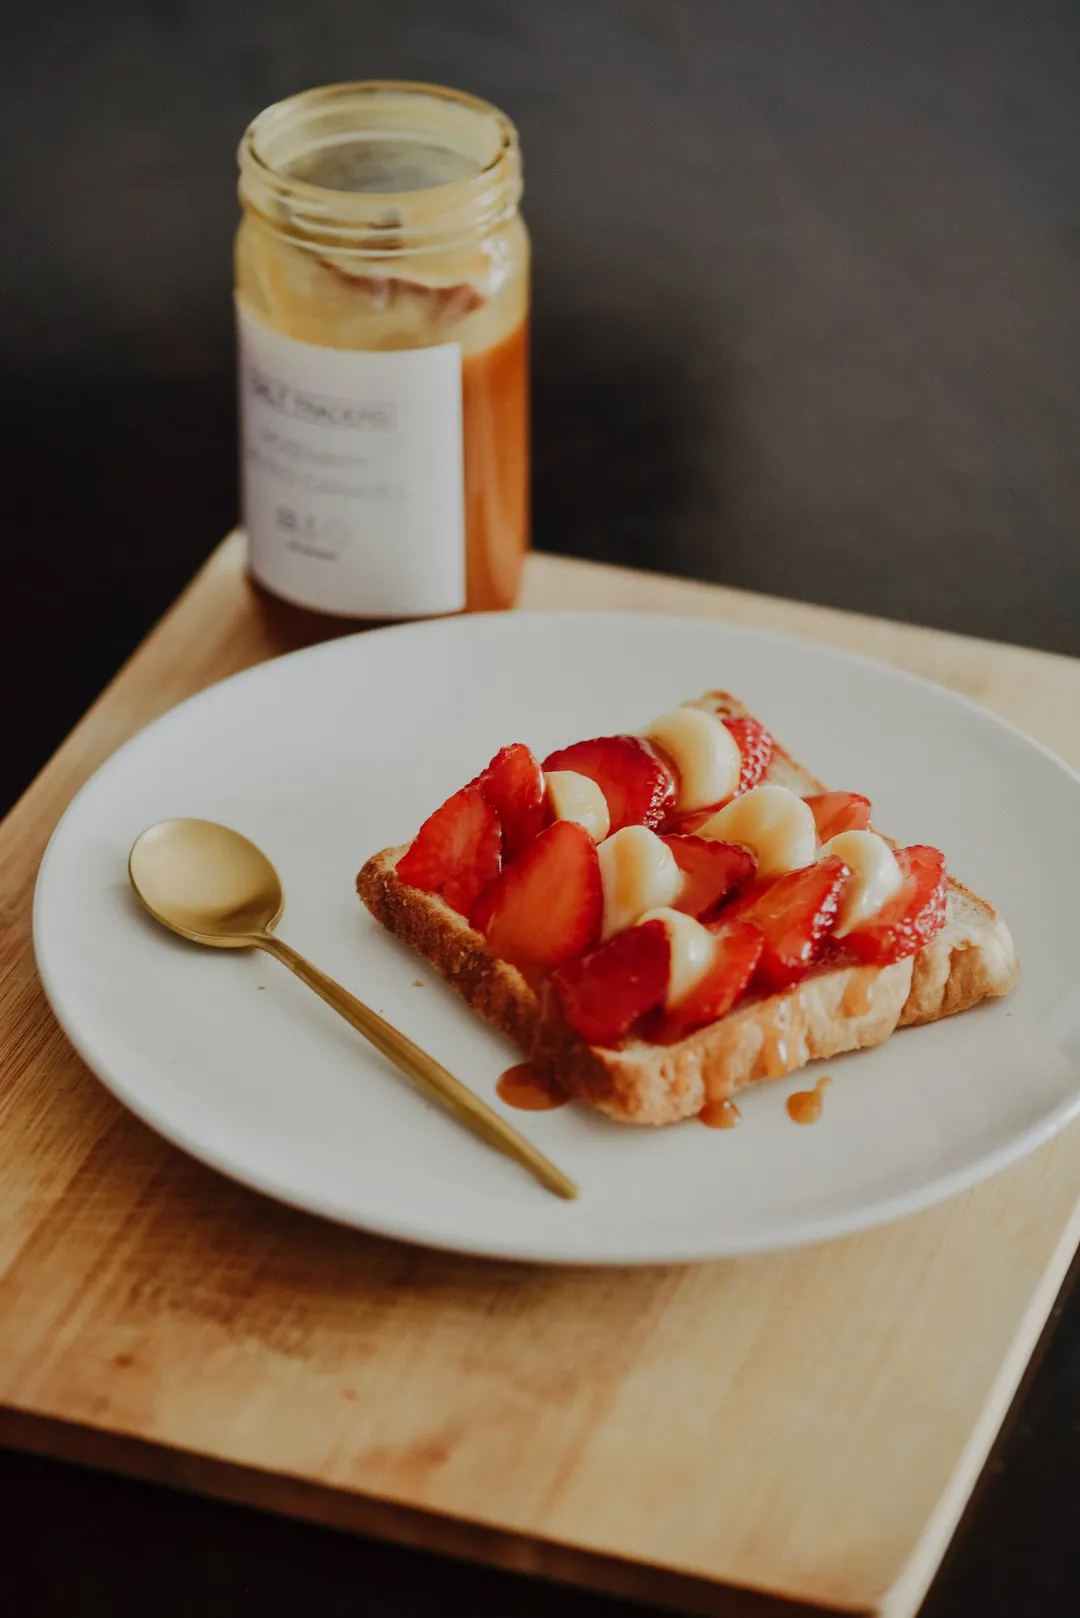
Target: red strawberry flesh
795	913
606	992
546	906
835	812
636	782
912	918
513	785
711	871
757	748
738	951
456	852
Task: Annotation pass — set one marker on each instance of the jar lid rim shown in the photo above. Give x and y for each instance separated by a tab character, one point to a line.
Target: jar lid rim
484	198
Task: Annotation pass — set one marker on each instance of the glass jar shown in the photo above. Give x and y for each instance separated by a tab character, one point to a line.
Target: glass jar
382	276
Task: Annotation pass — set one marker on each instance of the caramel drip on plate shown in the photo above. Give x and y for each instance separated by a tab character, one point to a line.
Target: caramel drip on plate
523	1087
719	1114
804	1107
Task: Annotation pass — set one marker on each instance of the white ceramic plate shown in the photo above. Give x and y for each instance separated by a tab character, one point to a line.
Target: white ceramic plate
325	756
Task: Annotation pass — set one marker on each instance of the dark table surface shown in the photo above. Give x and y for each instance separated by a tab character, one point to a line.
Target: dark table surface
807	319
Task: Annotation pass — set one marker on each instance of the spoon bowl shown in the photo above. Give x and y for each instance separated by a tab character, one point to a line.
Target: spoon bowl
206	882
212	886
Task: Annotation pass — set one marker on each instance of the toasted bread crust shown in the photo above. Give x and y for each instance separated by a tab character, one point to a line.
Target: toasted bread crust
972	959
491	986
840	1009
763	1039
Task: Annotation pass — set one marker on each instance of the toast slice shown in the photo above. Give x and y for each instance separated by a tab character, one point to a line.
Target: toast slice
833	1010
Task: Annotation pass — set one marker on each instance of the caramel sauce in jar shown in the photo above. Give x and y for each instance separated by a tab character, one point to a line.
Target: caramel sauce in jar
495	403
382	290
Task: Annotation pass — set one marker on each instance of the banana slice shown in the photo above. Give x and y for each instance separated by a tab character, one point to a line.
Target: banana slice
693	949
576	797
775	825
705	755
638	873
875	877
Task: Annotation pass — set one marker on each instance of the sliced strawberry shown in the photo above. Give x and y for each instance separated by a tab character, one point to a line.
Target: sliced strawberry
636	782
690	823
757	748
607	991
456	852
546	906
795	913
738	951
835	812
711	871
910	919
480	911
513	784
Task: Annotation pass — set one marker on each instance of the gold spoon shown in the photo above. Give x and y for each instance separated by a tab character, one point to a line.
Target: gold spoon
214	887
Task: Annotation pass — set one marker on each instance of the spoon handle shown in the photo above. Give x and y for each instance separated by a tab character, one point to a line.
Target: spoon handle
454	1096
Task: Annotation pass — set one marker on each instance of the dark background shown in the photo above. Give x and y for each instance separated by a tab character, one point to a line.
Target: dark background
806	320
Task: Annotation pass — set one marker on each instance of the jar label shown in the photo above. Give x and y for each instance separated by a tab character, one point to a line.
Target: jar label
352	473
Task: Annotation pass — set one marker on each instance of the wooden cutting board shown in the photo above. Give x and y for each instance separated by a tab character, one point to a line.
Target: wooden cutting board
805	1427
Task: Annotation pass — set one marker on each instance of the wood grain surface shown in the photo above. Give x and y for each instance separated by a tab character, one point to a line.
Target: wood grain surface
752	1436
